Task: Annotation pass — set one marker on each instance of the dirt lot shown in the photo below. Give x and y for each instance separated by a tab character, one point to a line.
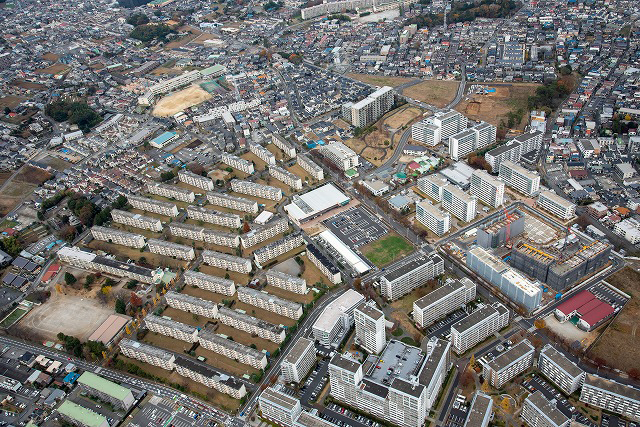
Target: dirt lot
403	117
20	187
179	101
379	80
493	107
434	92
53	69
10	101
620	343
56	163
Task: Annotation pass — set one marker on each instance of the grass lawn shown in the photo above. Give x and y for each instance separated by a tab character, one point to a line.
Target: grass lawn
12	317
386	250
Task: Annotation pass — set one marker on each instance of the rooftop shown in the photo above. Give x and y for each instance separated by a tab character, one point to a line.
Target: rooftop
561	360
105	386
332	312
81	414
511	355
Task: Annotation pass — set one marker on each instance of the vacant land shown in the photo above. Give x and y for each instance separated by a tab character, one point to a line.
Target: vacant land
53	69
386	250
403	117
56	163
434	92
10	101
376	80
181	100
620	343
20	187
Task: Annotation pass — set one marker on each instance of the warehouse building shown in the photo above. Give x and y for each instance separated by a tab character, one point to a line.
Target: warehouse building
565	374
509	364
136	220
477	326
210	283
588	311
336	319
444	300
298	361
404	279
232	202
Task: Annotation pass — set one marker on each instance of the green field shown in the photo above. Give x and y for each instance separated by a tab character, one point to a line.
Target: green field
387	250
12	317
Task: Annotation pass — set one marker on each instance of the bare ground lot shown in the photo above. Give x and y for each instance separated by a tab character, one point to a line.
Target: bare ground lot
181	100
53	69
10	101
377	80
20	187
434	92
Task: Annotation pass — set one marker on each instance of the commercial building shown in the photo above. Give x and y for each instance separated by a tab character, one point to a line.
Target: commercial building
370	327
310	166
496	232
480	411
436	220
80	416
171	249
171	192
376	187
256	190
226	261
353	260
315	203
277	248
237	163
565	374
272	303
415	273
611	396
207	375
286	147
426	132
286	281
195	305
119	237
557	205
458	203
213	216
278	407
537	411
283	175
232	202
171	328
298	361
260	233
153	206
233	350
210	283
147	353
194	180
487	188
444	300
509	364
336	318
323	263
107	391
519	178
340	155
136	220
263	154
588	311
240	320
370	109
477	326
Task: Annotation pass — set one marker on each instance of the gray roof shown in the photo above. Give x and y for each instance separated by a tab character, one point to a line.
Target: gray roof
479	407
511	355
406	268
370	311
546	408
297	350
438	294
611	386
345	363
561	360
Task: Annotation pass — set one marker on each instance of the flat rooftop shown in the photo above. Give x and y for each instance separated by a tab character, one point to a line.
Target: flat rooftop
297	350
611	386
511	355
561	360
397	360
332	312
408	268
316	201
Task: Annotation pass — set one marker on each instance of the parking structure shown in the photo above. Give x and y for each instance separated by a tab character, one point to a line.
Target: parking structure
356	227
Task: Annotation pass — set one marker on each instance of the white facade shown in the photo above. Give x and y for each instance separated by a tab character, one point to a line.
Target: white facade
171	192
268	302
231	349
509	364
213	216
279	407
136	220
195	305
612	396
119	237
458	203
171	328
232	202
336	317
557	205
310	166
433	218
152	205
628	228
277	248
147	353
286	147
565	374
226	261
370	327
237	163
487	188
404	279
298	361
283	175
286	281
194	180
537	411
519	178
450	123
256	190
370	109
171	249
340	155
426	132
263	154
251	325
260	233
210	283
477	326
442	301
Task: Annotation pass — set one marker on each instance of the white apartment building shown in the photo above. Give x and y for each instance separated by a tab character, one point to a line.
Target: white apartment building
171	328
195	232
446	299
565	374
244	322
277	248
226	261
370	327
207	375
336	318
237	163
171	192
210	283
278	407
171	249
476	327
519	178
612	396
119	237
340	155
195	305
256	190
213	216
298	361
233	350
136	220
450	123
426	132
509	364
152	205
432	217
537	411
514	149
286	147
370	109
557	205
147	353
485	135
260	233
232	202
272	303
194	180
628	228
433	185
415	273
323	263
310	166
286	281
458	203
462	143
107	391
487	188
263	154
283	175
480	411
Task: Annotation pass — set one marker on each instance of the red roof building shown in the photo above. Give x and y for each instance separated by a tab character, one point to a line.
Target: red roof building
596	316
565	310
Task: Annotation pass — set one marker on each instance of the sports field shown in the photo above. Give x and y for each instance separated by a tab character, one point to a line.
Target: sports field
181	100
386	250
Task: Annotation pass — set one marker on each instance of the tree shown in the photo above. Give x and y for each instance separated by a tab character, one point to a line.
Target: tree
506	404
121	307
135	300
68	232
167	176
75	112
11	245
245	227
466	379
69	278
106	290
472	361
150	32
138	19
540	323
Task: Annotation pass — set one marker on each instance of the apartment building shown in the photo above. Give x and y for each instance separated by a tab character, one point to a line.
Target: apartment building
244	322
557	205
340	155
336	318
487	188
171	192
136	220
458	203
310	166
147	353
485	135
514	149
537	411
509	364
199	181
323	263
213	216
237	163
233	350
298	361
476	327
195	305
210	283
283	175
171	328
426	132
370	327
105	390
260	233
272	303
433	185
256	190
207	375
202	234
76	415
450	123
277	248
370	109
446	299
232	202
480	411
415	273
561	371
286	147
436	220
119	237
462	143
611	396
286	281
171	249
152	205
278	407
519	178
169	85
263	154
226	261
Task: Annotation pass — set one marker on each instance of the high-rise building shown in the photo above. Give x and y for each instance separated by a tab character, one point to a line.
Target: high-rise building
537	411
519	178
298	361
509	364
442	301
279	407
565	374
612	396
487	188
340	155
477	326
336	318
415	273
426	132
433	185
458	203
370	109
450	123
480	411
370	327
557	205
514	149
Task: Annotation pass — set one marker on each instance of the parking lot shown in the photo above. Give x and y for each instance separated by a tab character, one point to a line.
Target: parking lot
443	327
563	405
356	227
606	294
316	381
159	412
613	421
343	417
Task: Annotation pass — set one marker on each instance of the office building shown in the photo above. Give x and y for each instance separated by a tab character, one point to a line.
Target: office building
256	190
171	249
561	371
119	237
287	148
336	319
171	328
277	248
195	305
286	281
415	273
298	361
199	181
263	154
278	407
370	109
433	185
324	264
499	230
611	396
557	205
147	353
136	220
340	155
519	178
237	163
458	203
432	217
171	192
446	299
207	375
232	202
80	416
480	411
222	345
226	261
210	283
487	188
213	216
370	327
240	320
310	166
476	327
283	175
426	132
260	233
107	391
509	364
537	411
153	206
268	302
